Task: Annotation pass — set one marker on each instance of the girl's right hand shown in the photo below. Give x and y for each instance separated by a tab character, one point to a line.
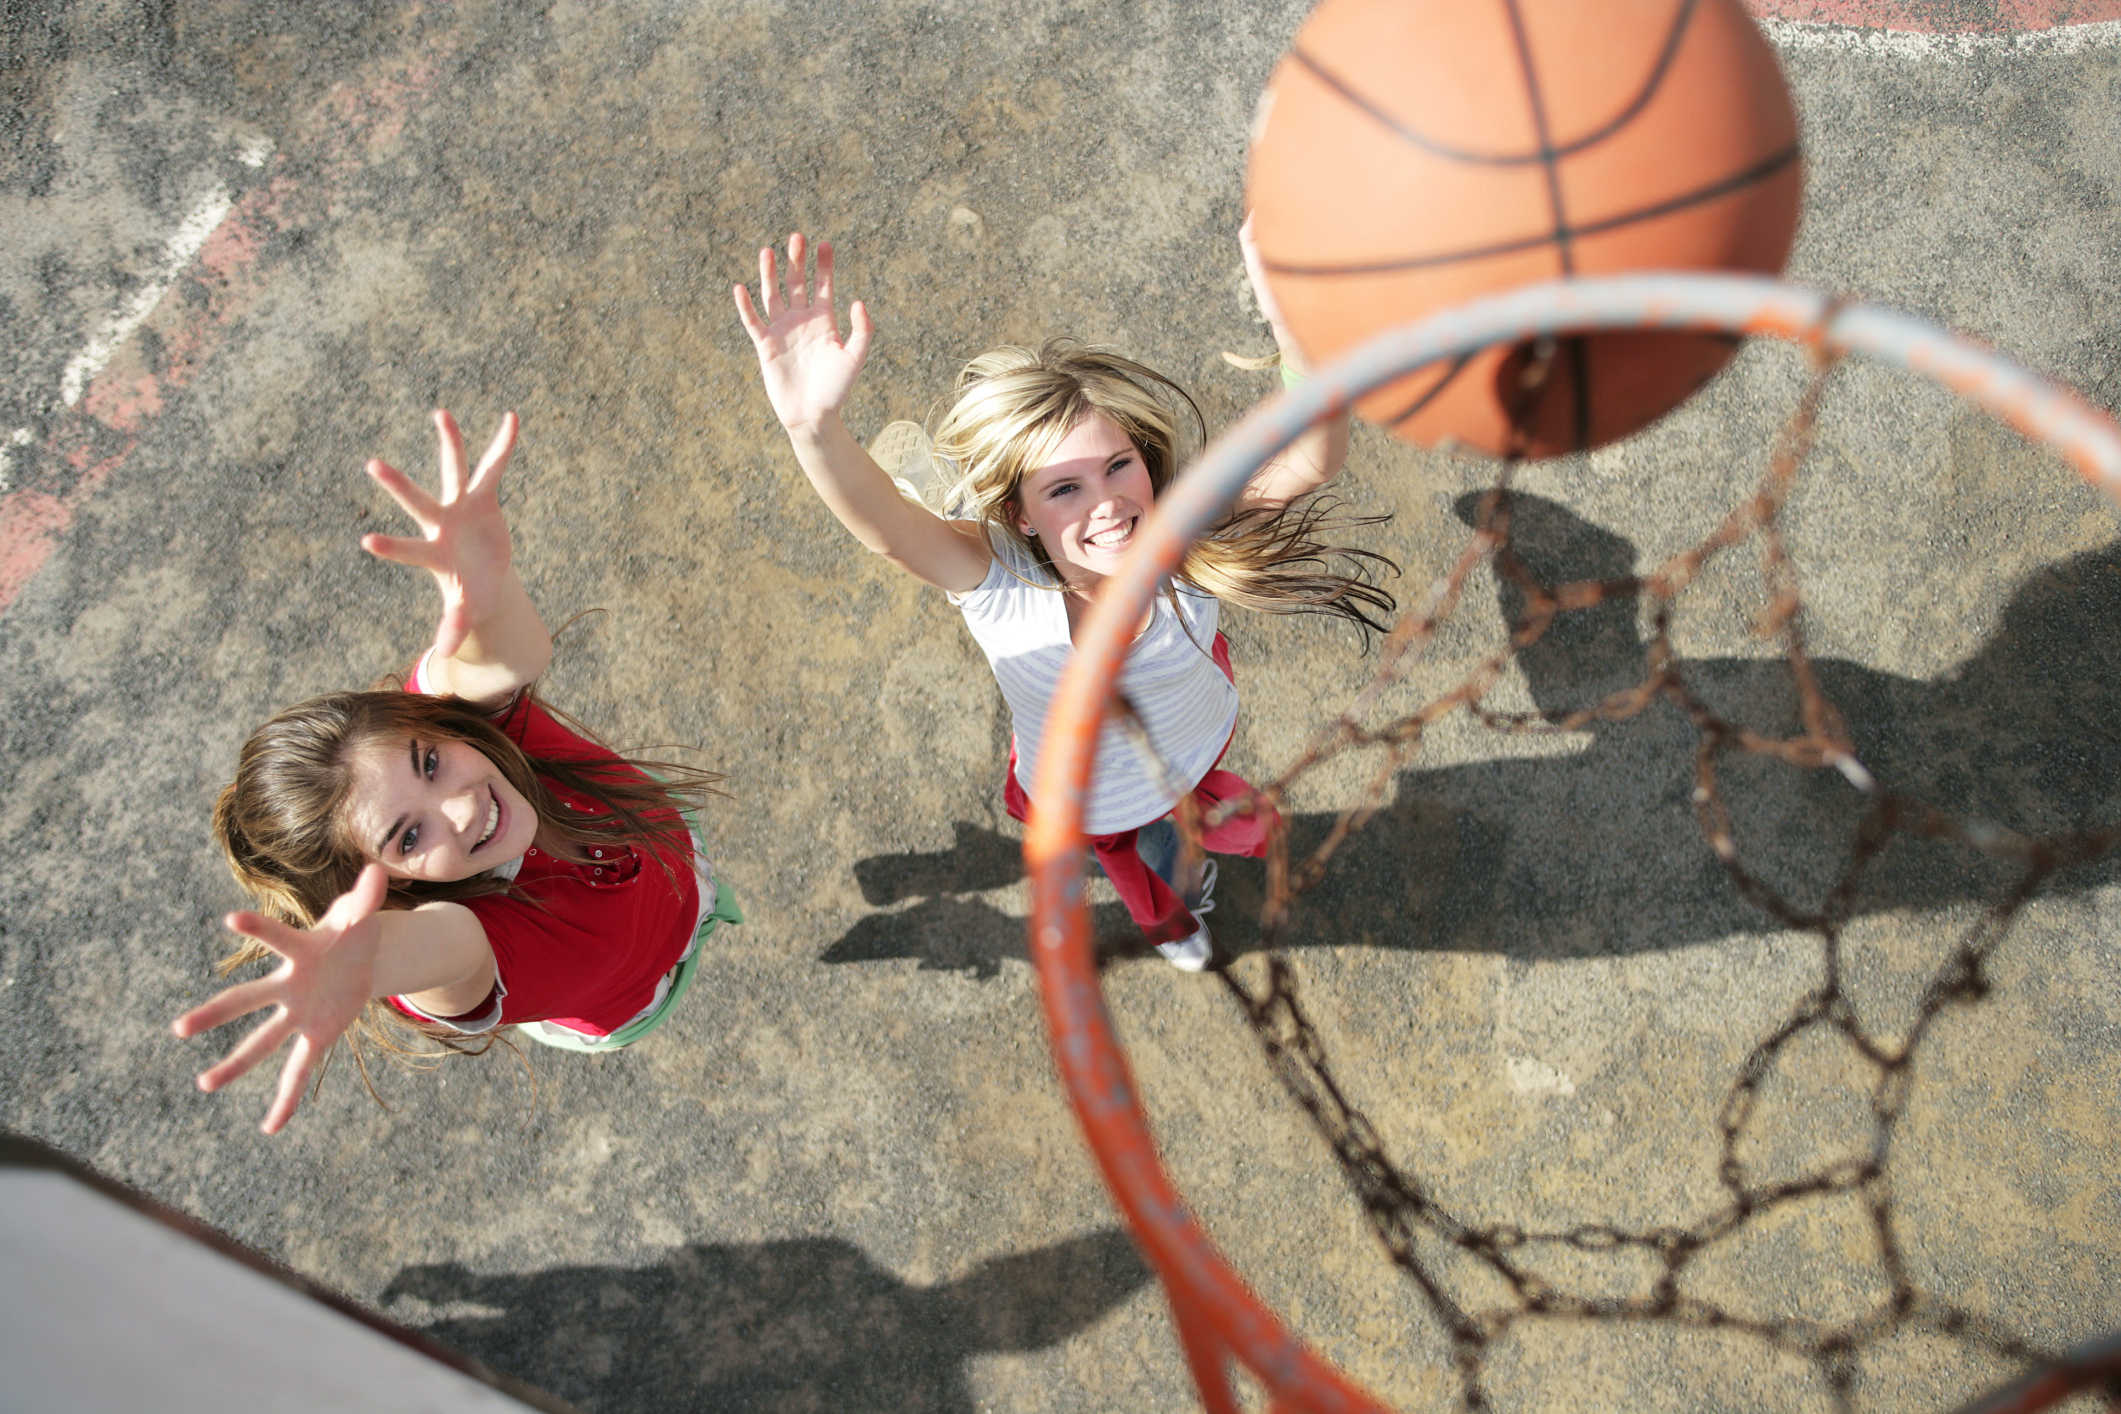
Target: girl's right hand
808	370
463	540
316	993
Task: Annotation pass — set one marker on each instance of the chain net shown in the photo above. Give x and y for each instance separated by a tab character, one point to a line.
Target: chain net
1425	1239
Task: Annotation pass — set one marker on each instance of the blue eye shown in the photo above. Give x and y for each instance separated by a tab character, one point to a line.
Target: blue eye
409	841
430	762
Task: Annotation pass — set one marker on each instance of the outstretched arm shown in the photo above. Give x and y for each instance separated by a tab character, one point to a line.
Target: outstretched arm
490	641
1315	458
809	373
438	955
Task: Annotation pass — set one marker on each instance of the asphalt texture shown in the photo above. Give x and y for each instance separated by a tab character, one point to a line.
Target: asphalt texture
249	245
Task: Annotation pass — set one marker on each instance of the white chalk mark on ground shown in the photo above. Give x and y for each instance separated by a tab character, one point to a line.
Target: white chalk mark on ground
1531	1077
183	244
1912	45
20	437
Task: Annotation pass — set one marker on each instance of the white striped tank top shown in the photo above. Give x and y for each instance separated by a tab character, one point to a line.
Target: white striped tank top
1187	705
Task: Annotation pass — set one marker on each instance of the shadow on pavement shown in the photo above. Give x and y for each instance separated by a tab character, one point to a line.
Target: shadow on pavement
954	934
805	1324
1597	852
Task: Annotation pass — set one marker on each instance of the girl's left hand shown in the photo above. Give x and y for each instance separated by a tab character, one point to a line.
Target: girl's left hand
463	540
1256	272
316	993
1315	457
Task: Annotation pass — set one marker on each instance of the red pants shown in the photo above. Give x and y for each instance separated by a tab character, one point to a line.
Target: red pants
1152	903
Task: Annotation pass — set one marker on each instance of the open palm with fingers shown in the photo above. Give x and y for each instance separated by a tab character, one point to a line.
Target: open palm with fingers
463	540
316	992
809	370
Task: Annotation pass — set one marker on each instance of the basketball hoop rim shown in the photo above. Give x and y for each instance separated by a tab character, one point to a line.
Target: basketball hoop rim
1204	1290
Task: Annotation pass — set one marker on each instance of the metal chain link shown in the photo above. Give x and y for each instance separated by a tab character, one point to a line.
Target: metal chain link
1412	1226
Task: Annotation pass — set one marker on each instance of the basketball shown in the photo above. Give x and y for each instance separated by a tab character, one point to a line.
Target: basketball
1412	155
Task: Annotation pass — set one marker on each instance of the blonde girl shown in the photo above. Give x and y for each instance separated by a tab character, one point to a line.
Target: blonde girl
1057	455
451	856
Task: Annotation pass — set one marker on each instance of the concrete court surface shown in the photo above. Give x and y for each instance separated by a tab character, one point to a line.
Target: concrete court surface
248	245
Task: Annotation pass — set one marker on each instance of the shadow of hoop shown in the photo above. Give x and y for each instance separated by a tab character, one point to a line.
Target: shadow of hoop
1217	1317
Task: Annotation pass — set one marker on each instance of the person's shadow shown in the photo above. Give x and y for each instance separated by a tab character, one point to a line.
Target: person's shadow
797	1325
945	930
1593	848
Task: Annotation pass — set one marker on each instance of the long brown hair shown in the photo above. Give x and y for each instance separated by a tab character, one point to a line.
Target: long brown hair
282	822
1015	406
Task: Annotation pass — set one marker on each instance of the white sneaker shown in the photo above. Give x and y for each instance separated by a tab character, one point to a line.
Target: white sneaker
1191	953
903	450
1196	950
1203	903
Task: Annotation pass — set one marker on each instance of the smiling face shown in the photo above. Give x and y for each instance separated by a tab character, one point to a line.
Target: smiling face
436	808
1087	500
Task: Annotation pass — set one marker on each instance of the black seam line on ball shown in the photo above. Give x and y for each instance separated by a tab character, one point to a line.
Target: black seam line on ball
1635	105
1432	393
1757	172
1549	165
1580	365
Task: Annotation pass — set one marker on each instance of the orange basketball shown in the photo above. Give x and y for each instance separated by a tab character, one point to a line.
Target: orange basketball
1417	154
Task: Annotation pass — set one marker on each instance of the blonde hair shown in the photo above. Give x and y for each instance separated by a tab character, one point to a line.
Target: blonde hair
1015	406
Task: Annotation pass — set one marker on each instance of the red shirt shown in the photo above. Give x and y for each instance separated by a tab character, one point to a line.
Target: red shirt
589	945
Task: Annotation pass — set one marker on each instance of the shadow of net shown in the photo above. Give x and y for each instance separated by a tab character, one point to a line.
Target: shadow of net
1426	1240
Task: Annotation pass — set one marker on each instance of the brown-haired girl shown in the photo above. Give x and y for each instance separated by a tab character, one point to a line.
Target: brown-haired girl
1056	456
454	857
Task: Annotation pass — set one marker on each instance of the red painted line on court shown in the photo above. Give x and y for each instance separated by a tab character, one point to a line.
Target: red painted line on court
1942	16
225	279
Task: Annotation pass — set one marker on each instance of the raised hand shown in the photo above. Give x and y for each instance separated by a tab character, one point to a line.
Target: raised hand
1256	272
463	540
808	369
325	980
1314	458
